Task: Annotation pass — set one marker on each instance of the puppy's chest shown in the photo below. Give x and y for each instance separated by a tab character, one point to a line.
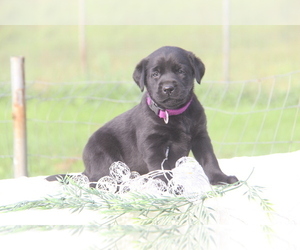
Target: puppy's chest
179	142
180	131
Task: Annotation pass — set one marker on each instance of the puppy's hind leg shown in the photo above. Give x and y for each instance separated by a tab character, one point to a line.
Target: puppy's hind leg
97	162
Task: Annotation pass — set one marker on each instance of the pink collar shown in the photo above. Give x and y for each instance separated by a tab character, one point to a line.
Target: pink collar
165	113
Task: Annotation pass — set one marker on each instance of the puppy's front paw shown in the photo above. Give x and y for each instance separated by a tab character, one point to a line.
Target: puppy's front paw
222	179
232	179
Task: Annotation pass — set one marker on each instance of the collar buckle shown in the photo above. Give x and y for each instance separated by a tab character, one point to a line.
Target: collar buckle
154	107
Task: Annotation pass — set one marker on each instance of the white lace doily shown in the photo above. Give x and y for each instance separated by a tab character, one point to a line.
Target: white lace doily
186	179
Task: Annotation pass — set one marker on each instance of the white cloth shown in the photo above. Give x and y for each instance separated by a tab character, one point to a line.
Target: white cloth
238	226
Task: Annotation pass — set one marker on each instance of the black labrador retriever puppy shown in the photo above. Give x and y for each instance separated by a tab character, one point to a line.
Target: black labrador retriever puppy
169	120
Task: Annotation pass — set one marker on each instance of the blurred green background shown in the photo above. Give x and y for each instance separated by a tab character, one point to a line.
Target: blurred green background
52	52
66	101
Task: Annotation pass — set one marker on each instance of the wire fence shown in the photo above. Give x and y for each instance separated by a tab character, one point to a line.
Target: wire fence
245	118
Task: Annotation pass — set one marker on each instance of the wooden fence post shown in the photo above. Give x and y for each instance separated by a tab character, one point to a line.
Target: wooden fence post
19	116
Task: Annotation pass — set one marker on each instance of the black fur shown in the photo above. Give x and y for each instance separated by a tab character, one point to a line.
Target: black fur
140	138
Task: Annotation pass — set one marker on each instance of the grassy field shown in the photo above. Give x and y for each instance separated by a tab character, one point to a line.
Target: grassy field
245	118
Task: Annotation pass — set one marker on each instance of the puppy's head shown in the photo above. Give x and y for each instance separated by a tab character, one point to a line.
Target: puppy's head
168	75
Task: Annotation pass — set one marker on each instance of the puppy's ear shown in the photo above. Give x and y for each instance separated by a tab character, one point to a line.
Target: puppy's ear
139	74
198	67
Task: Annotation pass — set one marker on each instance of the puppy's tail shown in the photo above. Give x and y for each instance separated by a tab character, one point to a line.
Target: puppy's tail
65	178
56	177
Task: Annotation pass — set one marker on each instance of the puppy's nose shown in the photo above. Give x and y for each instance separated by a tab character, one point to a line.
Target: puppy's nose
168	89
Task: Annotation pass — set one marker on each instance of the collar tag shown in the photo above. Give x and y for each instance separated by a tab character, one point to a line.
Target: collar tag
166	118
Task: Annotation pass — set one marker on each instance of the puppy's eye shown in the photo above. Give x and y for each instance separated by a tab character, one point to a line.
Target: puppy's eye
180	71
155	74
